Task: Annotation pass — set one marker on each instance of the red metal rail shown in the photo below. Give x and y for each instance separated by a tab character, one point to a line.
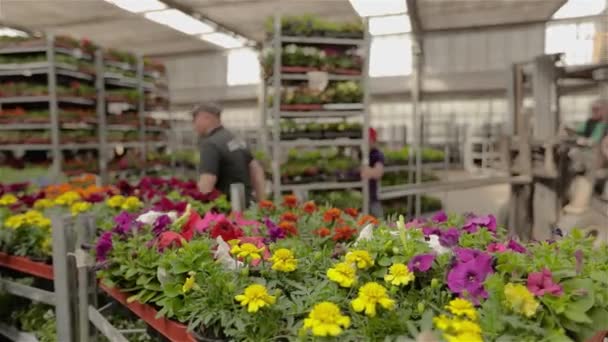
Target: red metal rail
172	330
25	265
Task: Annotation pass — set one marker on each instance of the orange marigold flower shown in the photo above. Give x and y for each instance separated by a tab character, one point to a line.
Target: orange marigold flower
290	201
332	215
289	216
289	227
309	207
266	205
322	232
343	233
352	212
367	219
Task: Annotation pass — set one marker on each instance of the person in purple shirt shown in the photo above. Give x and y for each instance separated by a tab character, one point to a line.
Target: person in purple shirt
373	173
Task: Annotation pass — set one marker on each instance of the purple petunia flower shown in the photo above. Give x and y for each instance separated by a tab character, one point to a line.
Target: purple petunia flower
103	247
161	224
274	231
475	222
421	262
449	238
466	254
125	222
427	231
466	278
440	217
516	247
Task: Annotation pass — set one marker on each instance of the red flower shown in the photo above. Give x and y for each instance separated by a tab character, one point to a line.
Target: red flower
290	201
169	239
266	205
190	227
367	219
226	230
289	216
322	232
288	227
352	212
332	215
344	233
309	207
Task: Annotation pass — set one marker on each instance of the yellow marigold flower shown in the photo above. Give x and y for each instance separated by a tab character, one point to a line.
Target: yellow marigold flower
399	274
115	201
47	245
15	221
283	260
520	299
43	203
67	198
43	222
462	307
343	273
79	207
442	322
464	337
247	250
131	203
325	319
255	297
189	283
370	295
360	258
8	199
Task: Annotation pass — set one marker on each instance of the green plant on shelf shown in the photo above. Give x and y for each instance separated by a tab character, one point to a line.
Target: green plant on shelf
397	207
398	178
401	156
121	56
38	319
123	95
311	26
338	199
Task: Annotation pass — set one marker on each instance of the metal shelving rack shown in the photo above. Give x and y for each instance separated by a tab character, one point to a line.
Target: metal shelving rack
101	80
276	114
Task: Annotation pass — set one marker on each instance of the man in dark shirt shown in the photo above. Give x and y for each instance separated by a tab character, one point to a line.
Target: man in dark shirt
374	173
225	159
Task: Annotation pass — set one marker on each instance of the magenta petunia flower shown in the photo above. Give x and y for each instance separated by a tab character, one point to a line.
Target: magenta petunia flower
516	247
161	224
496	247
421	262
467	254
541	283
104	246
428	231
475	222
125	222
415	223
274	232
440	217
449	238
166	205
466	278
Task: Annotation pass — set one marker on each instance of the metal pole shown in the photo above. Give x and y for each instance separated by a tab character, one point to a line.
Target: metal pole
53	107
365	148
141	112
101	116
237	197
61	281
276	109
417	121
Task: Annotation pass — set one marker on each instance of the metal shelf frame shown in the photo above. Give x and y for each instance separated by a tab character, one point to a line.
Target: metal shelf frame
101	80
275	114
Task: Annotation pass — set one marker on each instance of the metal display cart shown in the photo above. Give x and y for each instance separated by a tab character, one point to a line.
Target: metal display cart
56	76
277	112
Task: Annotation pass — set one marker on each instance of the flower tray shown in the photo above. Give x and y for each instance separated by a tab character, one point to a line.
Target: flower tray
340	71
301	107
26	265
343	134
171	330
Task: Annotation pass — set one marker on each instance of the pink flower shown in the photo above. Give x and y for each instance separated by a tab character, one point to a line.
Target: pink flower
169	239
541	283
516	247
208	220
475	222
496	248
440	217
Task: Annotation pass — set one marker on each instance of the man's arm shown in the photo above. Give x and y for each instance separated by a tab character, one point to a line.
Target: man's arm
374	172
209	168
256	173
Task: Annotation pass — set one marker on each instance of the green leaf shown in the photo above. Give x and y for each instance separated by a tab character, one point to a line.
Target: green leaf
385	261
600	277
577	316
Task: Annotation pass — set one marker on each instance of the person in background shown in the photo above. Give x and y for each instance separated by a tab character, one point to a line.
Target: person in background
595	127
373	173
225	159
